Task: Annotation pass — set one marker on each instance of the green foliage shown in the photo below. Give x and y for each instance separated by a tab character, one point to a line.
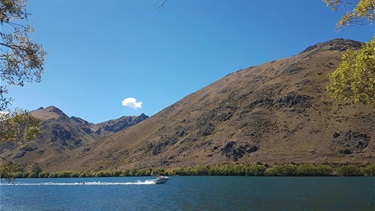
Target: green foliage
282	170
36	169
144	172
21	60
10	170
200	170
354	78
63	174
18	174
18	126
255	170
325	170
6	170
33	175
125	173
307	170
349	170
363	13
83	174
117	173
43	174
155	171
216	170
369	170
314	170
103	173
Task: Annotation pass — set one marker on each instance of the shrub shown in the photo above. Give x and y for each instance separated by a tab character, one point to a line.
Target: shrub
325	170
282	170
256	170
103	173
369	170
43	174
349	170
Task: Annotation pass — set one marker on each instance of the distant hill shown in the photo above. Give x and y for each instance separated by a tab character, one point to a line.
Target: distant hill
272	113
113	126
60	134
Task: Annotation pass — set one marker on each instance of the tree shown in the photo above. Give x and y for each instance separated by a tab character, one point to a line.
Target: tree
19	126
363	13
160	4
354	78
6	170
21	61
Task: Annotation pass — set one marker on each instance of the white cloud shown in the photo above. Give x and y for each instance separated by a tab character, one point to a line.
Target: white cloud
131	102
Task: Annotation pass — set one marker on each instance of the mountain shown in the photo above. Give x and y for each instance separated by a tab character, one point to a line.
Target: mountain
113	126
275	112
60	134
272	113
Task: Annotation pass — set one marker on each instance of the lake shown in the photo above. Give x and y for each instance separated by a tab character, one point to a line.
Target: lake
190	193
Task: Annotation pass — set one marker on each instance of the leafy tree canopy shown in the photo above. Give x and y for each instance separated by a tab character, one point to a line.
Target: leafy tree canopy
363	13
354	78
19	126
21	61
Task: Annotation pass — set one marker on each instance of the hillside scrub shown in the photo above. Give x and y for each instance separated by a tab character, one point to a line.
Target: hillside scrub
258	169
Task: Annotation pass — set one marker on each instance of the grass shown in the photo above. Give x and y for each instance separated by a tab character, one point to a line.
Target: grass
258	169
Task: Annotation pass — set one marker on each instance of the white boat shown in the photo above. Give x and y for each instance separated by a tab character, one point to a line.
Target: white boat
160	180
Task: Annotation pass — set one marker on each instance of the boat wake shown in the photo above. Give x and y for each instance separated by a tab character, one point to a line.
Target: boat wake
147	182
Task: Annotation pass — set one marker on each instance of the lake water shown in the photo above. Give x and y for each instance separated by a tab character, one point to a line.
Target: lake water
191	193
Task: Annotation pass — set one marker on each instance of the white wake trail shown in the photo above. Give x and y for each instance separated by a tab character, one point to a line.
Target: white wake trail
147	182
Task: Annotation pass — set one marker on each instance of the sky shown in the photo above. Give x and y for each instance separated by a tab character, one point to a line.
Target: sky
113	58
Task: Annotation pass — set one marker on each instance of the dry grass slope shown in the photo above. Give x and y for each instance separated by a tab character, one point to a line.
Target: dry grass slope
273	113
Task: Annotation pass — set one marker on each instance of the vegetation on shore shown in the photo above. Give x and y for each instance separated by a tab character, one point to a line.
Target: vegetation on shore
258	169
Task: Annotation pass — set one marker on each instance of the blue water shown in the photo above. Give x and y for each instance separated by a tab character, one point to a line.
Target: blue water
191	193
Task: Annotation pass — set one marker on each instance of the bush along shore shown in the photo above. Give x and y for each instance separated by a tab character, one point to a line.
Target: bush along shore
259	169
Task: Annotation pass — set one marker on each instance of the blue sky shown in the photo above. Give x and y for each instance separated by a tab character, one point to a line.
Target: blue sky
101	52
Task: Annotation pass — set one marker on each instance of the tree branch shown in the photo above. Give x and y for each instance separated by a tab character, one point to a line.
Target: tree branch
161	5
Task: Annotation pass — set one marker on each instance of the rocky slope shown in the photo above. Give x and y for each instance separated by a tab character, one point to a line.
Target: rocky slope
113	126
275	112
61	134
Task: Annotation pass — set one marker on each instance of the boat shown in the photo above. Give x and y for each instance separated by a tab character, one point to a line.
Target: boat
160	180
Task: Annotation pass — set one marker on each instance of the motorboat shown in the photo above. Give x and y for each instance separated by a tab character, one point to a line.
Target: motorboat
160	180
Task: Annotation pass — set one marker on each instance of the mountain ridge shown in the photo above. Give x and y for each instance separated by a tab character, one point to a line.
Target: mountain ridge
256	97
61	133
275	112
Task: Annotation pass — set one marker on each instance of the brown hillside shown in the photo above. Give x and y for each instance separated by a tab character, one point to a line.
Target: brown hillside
61	134
275	112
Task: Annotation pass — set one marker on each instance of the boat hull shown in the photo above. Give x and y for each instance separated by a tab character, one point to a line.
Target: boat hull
160	180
